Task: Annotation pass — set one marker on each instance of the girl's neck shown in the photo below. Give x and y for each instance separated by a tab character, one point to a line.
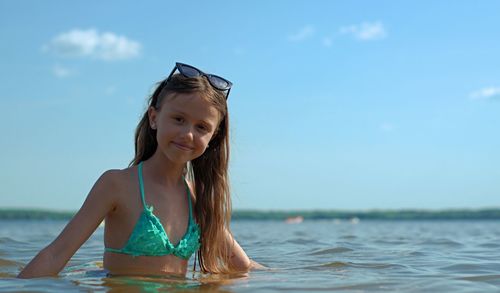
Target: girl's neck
164	171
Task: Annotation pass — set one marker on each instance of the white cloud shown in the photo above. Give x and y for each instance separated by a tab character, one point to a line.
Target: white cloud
304	33
365	31
486	93
61	71
91	43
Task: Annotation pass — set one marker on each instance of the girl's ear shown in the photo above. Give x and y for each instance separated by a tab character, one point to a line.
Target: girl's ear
152	115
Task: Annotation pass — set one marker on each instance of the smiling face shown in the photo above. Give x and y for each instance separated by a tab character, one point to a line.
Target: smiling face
184	123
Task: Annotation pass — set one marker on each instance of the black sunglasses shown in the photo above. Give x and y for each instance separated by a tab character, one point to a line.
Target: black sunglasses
215	81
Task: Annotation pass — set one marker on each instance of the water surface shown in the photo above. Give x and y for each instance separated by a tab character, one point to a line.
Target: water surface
323	255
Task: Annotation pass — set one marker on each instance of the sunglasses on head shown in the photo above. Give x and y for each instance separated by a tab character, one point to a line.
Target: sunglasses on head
215	81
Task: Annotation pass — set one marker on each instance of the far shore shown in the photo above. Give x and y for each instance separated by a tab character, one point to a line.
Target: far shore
282	215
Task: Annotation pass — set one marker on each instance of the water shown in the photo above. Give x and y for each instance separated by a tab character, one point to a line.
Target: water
410	256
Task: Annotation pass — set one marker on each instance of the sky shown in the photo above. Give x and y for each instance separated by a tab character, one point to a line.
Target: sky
349	105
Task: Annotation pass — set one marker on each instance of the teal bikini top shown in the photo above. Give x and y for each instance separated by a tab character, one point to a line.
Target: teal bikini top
150	239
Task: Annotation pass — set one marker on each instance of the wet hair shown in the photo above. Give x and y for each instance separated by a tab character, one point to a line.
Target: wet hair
208	172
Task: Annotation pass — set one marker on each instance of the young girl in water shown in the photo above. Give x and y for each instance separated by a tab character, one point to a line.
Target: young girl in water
173	200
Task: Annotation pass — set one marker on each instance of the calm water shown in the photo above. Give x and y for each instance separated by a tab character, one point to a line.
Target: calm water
410	256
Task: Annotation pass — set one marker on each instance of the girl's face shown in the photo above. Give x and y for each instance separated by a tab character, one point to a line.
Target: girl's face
184	125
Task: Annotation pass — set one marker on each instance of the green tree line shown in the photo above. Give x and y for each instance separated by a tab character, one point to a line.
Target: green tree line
452	214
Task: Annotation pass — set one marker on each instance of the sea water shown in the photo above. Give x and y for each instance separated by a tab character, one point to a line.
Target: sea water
315	255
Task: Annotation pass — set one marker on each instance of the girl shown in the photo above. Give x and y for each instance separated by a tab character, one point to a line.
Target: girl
173	200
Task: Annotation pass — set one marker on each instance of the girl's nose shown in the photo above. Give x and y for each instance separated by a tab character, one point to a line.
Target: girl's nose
187	132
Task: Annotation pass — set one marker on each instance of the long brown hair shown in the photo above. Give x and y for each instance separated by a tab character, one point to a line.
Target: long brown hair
208	172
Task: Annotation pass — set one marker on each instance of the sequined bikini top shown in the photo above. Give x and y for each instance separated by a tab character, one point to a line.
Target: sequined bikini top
149	238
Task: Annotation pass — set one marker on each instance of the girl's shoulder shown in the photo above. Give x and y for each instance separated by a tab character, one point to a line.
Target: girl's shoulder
115	181
115	186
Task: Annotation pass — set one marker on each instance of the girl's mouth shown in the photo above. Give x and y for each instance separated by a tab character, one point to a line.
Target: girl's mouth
182	146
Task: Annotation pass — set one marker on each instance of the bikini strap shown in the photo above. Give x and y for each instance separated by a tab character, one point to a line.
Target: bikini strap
141	185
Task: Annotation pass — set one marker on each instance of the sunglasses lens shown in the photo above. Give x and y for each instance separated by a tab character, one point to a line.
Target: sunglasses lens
189	71
219	82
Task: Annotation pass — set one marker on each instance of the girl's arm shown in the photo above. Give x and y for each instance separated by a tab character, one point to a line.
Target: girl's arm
239	259
52	259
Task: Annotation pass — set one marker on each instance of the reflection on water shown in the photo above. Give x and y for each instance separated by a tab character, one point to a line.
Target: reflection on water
99	280
413	256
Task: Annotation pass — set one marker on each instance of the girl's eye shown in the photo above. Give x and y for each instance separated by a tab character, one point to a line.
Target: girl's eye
203	128
178	119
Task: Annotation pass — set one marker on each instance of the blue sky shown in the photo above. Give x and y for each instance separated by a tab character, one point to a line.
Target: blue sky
336	104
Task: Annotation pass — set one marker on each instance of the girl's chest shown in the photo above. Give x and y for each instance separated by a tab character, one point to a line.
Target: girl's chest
169	212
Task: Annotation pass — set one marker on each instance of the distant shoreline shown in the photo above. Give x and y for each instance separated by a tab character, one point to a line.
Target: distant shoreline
406	214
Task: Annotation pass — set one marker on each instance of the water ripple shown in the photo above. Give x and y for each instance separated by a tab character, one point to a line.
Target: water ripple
329	251
340	264
490	245
482	278
335	264
7	240
472	268
441	242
